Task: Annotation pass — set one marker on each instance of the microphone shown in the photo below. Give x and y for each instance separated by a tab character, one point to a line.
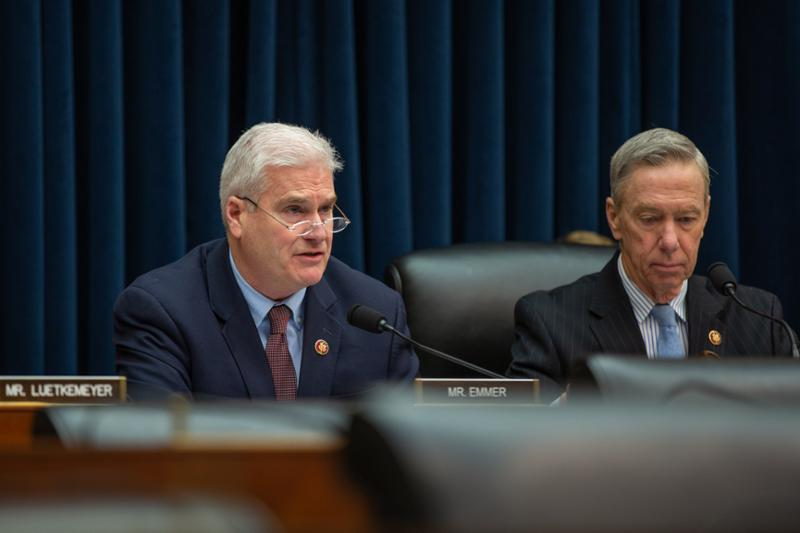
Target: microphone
369	319
725	282
722	278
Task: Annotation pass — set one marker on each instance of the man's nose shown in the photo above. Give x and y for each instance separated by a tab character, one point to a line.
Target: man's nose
669	237
318	229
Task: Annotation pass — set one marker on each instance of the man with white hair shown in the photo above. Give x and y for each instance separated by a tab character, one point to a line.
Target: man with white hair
262	313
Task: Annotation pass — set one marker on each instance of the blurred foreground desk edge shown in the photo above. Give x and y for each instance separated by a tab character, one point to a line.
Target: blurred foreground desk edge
301	481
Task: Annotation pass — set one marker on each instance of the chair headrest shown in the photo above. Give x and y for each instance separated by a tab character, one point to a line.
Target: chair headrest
460	299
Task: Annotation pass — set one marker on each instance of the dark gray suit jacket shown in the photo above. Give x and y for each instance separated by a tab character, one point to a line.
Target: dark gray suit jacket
557	330
185	328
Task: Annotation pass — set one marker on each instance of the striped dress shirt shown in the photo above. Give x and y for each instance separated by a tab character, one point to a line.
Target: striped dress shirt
642	305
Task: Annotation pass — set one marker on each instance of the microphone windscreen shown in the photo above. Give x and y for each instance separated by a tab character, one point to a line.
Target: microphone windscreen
365	318
721	277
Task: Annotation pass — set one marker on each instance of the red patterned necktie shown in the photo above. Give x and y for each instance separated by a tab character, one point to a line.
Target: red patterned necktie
280	361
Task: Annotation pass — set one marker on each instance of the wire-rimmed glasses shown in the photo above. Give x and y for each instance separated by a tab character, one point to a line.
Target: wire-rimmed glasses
304	227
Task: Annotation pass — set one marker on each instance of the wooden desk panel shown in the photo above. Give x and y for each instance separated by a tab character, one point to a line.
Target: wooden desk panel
306	488
16	424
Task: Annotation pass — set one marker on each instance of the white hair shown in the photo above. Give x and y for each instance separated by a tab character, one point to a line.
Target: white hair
266	146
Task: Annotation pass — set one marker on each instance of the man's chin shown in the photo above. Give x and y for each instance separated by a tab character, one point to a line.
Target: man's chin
310	276
668	288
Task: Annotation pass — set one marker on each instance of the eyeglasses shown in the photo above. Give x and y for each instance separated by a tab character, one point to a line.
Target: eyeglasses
304	227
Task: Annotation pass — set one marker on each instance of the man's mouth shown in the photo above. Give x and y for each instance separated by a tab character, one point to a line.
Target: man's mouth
311	255
667	266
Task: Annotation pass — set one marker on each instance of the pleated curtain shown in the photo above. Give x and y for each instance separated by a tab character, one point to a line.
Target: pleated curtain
458	121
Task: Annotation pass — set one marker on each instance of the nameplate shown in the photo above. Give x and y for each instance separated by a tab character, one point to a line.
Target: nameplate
476	391
63	389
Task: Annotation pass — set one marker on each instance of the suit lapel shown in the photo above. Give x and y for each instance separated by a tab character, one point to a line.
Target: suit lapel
237	325
615	328
613	322
703	313
320	325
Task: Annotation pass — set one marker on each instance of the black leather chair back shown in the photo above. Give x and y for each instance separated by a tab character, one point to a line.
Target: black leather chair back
460	299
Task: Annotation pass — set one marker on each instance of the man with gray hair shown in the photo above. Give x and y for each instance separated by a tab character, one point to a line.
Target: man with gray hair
646	301
262	313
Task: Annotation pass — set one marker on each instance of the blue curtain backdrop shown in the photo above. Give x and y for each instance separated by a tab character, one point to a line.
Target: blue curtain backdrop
458	121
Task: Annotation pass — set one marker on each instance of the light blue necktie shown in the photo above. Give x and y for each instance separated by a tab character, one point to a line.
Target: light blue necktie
670	344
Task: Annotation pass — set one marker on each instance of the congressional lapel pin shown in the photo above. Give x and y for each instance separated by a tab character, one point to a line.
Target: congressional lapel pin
321	347
715	337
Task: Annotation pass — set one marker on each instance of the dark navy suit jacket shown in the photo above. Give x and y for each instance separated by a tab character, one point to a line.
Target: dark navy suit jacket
556	330
185	328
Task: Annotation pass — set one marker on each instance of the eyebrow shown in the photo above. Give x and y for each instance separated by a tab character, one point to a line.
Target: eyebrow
298	199
682	209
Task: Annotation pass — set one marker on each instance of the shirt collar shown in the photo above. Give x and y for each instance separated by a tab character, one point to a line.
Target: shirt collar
259	305
643	304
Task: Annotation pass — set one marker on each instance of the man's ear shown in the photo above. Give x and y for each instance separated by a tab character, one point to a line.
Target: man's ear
234	209
612	215
705	220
